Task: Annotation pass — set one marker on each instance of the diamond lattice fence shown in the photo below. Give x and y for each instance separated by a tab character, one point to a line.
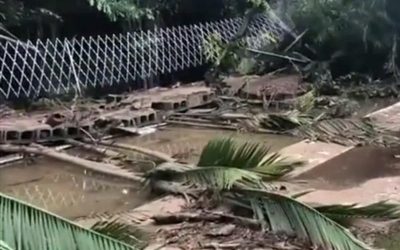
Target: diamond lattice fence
60	66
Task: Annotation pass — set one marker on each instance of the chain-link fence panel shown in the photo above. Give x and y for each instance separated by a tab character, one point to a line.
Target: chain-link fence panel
32	69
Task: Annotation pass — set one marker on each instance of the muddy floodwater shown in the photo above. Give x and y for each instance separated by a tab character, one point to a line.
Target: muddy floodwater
72	192
368	106
67	190
186	143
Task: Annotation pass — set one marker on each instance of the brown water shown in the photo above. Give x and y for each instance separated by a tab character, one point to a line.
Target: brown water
67	190
355	167
187	143
71	192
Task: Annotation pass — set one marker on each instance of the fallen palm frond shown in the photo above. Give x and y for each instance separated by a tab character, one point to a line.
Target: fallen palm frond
226	161
274	166
121	232
246	155
232	153
284	214
221	178
344	214
212	177
284	121
348	132
4	246
24	226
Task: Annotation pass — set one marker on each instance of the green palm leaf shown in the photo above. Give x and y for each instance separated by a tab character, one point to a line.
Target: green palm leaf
253	156
229	152
123	232
217	178
222	178
4	246
225	162
274	166
344	214
287	215
23	226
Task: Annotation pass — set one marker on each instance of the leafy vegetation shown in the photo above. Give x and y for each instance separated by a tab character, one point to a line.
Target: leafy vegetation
123	9
359	35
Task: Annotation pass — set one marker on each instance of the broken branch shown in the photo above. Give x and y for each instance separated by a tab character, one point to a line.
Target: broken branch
99	167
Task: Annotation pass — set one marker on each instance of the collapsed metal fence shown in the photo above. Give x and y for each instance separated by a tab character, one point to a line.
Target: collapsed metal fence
29	69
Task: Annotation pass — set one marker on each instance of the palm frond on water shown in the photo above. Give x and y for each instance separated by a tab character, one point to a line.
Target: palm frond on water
252	156
284	214
344	214
23	226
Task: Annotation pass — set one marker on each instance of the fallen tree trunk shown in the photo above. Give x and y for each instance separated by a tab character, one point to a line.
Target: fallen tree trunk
164	219
99	167
148	152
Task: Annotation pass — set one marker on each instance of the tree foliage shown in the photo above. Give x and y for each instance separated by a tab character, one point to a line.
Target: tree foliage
123	9
351	35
